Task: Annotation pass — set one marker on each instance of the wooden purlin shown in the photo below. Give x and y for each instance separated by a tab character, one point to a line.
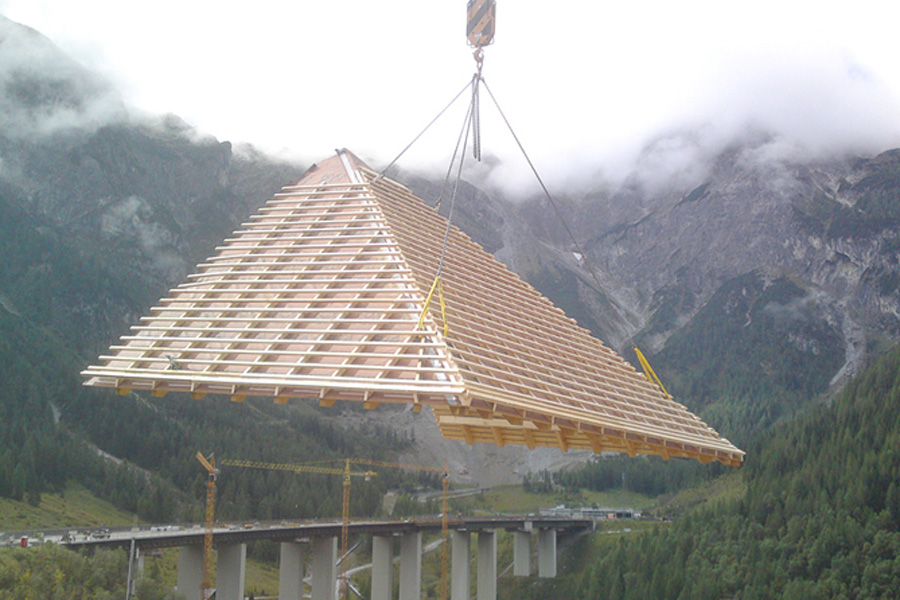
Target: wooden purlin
319	296
529	366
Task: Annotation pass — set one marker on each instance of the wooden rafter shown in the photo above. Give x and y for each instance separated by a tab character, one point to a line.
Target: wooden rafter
319	296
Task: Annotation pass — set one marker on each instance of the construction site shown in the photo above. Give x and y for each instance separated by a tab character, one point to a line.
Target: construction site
330	293
345	287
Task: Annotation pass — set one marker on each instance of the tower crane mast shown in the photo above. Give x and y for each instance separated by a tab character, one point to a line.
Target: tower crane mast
210	465
346	473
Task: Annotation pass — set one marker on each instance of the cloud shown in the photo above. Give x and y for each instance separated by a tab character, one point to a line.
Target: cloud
42	91
594	91
814	103
796	106
825	103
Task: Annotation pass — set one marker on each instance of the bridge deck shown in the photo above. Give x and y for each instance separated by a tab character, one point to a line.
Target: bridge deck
147	539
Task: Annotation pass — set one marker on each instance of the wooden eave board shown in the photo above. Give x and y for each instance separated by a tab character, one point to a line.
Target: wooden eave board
497	430
311	298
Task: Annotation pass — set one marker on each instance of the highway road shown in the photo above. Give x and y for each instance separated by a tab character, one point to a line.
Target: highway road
162	536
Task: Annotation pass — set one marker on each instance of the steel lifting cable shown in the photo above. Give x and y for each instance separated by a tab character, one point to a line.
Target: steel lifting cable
421	133
469	122
559	215
456	152
437	285
480	33
648	370
476	103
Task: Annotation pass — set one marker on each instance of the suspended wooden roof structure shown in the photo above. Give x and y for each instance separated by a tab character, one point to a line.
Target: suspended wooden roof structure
320	294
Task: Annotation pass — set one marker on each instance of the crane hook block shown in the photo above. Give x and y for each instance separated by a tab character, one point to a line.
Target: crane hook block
480	22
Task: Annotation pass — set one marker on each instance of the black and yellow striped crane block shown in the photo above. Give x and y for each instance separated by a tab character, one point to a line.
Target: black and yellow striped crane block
481	15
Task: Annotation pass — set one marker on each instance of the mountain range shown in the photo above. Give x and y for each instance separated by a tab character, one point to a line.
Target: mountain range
757	278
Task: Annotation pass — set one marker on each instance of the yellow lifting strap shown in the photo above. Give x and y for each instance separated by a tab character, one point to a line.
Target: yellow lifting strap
438	286
649	373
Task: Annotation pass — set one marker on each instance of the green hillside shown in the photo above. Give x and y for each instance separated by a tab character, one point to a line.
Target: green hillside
760	350
72	507
820	519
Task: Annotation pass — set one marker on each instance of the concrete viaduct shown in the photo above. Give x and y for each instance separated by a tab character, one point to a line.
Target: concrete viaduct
311	549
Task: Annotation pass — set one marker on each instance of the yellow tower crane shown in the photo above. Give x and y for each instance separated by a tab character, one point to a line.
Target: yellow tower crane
445	509
299	468
213	472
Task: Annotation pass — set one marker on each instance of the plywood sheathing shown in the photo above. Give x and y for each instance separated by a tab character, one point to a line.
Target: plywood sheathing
320	293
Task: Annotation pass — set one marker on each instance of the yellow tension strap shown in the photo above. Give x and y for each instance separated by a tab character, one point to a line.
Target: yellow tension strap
438	286
649	373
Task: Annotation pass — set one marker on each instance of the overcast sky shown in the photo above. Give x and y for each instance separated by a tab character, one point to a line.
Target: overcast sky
583	83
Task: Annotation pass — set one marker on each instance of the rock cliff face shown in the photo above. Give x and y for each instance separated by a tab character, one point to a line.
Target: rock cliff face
663	250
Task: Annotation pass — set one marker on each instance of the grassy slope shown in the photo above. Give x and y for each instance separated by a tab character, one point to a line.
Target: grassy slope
513	499
731	486
77	507
261	578
74	507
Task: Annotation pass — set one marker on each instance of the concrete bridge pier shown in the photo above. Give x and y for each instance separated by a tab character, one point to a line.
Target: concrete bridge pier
324	569
486	576
486	565
139	566
411	566
547	552
291	562
231	572
459	565
522	553
190	572
382	567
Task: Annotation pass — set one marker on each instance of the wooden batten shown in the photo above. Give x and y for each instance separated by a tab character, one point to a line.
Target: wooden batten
319	295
